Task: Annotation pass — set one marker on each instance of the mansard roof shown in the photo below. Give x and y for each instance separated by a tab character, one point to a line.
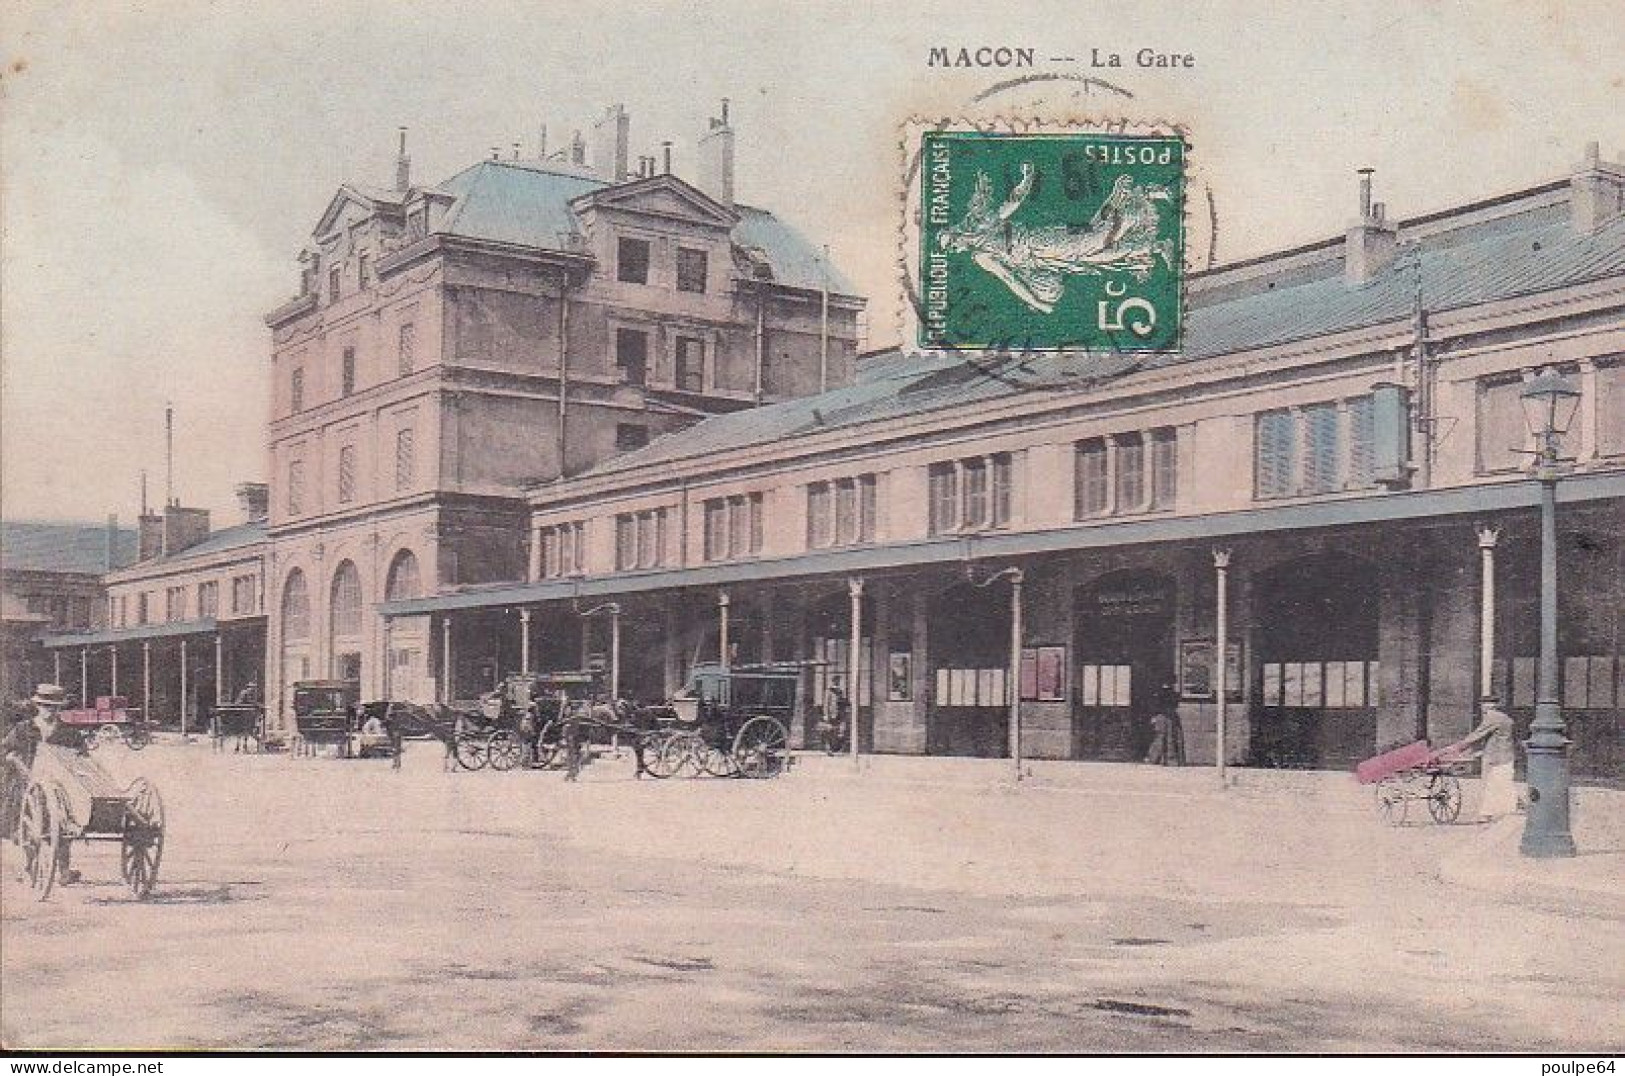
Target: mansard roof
1529	248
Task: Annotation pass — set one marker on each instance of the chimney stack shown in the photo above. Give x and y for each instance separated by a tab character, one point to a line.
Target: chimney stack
1371	242
403	167
183	528
110	555
541	144
665	149
716	153
1596	191
610	137
169	455
255	500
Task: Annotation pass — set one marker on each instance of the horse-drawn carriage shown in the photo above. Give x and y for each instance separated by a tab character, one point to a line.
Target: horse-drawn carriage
67	797
325	715
242	722
728	721
109	721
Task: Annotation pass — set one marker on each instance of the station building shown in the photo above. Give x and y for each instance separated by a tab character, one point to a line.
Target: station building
1340	445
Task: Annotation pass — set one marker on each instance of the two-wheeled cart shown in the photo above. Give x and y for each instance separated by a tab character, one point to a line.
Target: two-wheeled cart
1417	773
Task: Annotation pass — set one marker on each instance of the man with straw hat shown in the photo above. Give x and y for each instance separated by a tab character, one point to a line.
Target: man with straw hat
21	744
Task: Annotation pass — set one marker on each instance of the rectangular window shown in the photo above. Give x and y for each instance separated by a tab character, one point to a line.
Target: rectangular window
630	435
296	390
738	527
563	549
296	487
1274	454
632	261
716	529
846	512
632	356
1609	407
866	508
1130	472
346	474
143	614
335	284
1362	442
242	595
347	373
648	538
208	599
1322	448
974	477
363	270
1003	490
1164	467
820	532
1502	432
406	343
690	270
690	364
1091	493
626	540
405	459
175	603
944	495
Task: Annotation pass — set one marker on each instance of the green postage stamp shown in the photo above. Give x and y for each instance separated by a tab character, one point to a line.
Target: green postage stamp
1044	238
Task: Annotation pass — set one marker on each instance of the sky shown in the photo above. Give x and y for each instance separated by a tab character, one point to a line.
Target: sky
162	164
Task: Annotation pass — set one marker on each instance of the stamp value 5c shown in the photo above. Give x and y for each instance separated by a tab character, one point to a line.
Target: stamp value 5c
1045	240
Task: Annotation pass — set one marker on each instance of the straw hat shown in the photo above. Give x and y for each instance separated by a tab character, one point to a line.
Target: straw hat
50	695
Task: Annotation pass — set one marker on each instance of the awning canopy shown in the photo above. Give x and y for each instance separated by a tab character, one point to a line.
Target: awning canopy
147	632
1343	512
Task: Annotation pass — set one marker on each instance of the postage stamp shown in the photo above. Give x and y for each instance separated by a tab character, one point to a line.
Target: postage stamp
1039	238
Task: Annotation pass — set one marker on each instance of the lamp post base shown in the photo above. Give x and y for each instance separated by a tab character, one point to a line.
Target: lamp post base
1546	825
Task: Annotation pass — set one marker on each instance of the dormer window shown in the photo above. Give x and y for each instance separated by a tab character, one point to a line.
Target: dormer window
632	261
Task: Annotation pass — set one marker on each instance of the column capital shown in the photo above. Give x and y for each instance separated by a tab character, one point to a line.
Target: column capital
524	614
1221	559
1017	577
1488	536
722	598
854	586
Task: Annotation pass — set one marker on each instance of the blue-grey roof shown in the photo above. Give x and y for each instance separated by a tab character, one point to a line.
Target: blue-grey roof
63	547
529	205
1517	254
221	541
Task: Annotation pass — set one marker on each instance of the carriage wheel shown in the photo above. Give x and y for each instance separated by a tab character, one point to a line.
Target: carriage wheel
1392	803
136	737
40	836
761	748
470	752
713	760
664	756
504	750
142	847
549	744
1444	798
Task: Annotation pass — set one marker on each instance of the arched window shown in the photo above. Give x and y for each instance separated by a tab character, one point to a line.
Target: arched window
403	580
346	600
295	608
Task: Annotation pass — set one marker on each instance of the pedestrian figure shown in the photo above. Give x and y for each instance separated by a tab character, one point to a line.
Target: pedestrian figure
1167	744
1495	733
572	742
18	750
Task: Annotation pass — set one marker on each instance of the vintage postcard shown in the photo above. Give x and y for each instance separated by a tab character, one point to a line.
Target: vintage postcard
812	528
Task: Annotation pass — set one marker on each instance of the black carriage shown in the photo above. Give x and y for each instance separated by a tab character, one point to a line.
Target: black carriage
730	721
241	722
324	714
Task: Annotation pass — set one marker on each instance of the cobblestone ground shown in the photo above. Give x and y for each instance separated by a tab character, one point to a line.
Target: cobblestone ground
324	904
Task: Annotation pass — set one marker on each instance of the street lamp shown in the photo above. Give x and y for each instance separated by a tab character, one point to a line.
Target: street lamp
1549	403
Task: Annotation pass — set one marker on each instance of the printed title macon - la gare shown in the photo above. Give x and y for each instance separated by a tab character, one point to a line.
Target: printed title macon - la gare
1023	56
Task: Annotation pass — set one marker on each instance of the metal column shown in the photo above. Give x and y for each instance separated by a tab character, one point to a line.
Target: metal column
524	641
1016	578
84	676
722	630
183	689
146	681
445	659
1487	537
219	670
614	651
1221	660
854	590
112	653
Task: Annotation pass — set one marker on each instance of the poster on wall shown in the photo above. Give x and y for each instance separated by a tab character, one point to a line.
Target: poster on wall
900	677
1197	674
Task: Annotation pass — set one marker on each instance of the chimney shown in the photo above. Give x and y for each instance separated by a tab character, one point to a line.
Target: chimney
578	149
169	455
183	528
1371	241
665	149
1596	191
403	166
516	150
255	500
610	136
716	153
149	535
110	551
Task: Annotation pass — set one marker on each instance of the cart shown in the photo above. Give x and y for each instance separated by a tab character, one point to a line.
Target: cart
244	722
324	714
108	722
70	797
1417	772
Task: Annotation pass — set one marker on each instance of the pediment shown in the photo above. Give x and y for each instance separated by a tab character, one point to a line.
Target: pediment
347	206
660	196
